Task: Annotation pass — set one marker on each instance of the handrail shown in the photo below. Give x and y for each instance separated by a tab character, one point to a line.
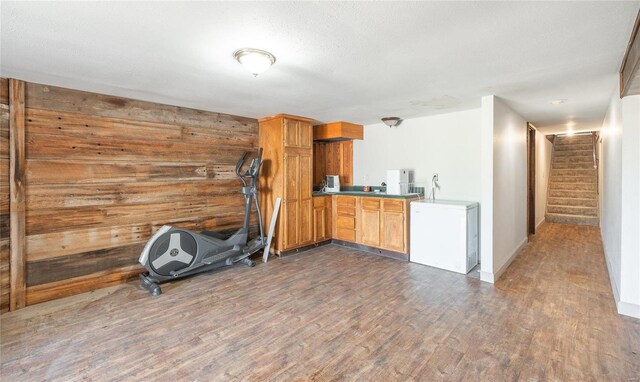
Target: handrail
593	149
594	145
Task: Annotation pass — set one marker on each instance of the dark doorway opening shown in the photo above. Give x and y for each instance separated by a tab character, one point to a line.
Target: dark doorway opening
531	179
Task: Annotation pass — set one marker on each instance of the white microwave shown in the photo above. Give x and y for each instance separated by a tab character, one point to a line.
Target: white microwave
333	183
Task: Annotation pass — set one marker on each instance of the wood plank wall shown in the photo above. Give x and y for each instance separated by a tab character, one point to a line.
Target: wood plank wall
4	195
103	173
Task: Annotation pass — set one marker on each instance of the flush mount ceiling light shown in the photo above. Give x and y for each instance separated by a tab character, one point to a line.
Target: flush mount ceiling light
557	102
391	121
256	61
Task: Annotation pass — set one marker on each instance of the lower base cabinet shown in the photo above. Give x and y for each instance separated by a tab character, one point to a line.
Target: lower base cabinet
385	223
375	222
321	218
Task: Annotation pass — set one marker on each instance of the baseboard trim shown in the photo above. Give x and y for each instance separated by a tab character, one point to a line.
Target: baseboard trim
628	309
372	250
624	308
540	223
487	277
490	277
304	248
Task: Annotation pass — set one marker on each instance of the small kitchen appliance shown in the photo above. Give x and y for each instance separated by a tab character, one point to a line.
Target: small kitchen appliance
333	183
397	182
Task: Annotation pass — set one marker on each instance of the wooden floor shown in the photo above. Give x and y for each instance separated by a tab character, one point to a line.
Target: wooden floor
337	314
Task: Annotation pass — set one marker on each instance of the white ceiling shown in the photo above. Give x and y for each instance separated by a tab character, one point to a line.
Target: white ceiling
353	61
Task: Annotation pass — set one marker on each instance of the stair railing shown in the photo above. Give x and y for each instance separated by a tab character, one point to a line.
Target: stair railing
596	160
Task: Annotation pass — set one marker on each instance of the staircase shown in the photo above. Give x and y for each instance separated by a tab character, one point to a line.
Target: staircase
573	185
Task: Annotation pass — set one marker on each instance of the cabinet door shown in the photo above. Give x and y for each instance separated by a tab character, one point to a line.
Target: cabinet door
393	231
346	163
305	222
305	134
332	158
291	228
305	175
291	133
319	224
328	219
291	198
291	176
319	163
370	227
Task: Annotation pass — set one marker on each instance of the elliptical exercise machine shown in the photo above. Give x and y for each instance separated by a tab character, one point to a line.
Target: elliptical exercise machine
172	252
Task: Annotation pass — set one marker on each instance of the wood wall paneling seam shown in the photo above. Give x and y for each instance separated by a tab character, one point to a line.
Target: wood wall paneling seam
17	193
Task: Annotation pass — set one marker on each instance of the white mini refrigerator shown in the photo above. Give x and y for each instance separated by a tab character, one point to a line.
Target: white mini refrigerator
444	234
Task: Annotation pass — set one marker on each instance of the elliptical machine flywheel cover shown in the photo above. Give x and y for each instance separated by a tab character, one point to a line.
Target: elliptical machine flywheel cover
173	259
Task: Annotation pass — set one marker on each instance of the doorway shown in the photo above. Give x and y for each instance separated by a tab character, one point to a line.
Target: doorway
531	179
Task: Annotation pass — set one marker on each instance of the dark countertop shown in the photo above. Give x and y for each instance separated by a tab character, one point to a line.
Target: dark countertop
367	194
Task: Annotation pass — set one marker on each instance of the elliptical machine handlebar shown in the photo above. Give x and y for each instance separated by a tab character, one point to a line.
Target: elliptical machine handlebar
254	168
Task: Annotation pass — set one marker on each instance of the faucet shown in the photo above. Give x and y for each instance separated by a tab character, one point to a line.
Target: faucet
434	185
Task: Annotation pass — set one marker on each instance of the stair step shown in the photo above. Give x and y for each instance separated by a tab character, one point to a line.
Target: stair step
578	194
576	139
572	210
580	153
560	201
572	165
572	219
574	147
573	186
572	179
574	172
573	158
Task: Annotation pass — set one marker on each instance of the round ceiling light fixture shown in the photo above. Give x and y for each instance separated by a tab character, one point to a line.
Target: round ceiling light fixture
391	121
256	61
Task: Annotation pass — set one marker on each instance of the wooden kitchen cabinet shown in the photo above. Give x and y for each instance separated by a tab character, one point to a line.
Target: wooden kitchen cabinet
322	218
370	215
344	211
297	133
394	225
287	172
382	223
333	158
297	202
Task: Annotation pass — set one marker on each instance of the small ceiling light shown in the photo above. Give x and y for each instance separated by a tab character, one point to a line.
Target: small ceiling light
558	101
391	121
256	61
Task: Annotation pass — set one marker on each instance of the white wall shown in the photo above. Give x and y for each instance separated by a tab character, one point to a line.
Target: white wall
446	144
610	196
630	227
508	192
544	150
486	201
619	200
479	154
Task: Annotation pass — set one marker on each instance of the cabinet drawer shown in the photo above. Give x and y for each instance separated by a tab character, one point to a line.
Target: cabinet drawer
393	205
370	203
346	234
346	211
346	222
346	201
321	201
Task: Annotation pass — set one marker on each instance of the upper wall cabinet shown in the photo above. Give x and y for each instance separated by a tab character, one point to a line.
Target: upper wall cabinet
337	131
297	133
